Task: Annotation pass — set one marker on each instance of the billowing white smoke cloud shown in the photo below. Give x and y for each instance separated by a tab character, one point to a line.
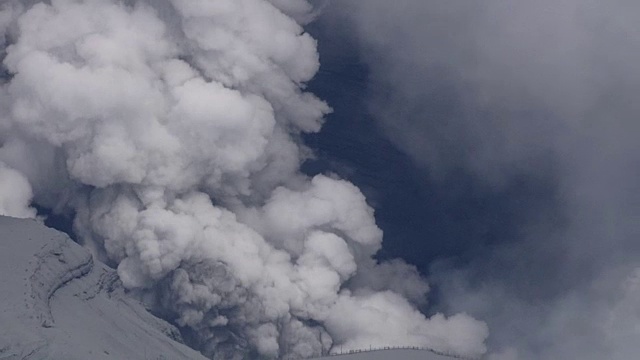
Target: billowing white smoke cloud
15	194
170	129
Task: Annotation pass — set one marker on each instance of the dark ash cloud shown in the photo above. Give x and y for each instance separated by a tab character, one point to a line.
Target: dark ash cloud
544	91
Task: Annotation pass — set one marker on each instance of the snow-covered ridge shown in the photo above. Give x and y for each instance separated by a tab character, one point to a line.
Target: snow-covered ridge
54	265
57	302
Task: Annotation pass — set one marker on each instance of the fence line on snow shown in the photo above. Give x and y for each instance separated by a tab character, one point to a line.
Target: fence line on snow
382	348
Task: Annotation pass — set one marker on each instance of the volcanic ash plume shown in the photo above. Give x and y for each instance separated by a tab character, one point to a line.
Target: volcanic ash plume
170	130
535	102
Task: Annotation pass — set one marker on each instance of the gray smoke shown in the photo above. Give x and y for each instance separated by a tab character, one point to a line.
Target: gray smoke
170	130
545	90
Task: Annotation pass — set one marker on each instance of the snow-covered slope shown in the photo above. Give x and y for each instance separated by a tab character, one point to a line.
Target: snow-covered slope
57	302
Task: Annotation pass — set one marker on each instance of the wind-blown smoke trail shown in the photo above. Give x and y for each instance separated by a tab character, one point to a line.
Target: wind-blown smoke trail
171	130
544	91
